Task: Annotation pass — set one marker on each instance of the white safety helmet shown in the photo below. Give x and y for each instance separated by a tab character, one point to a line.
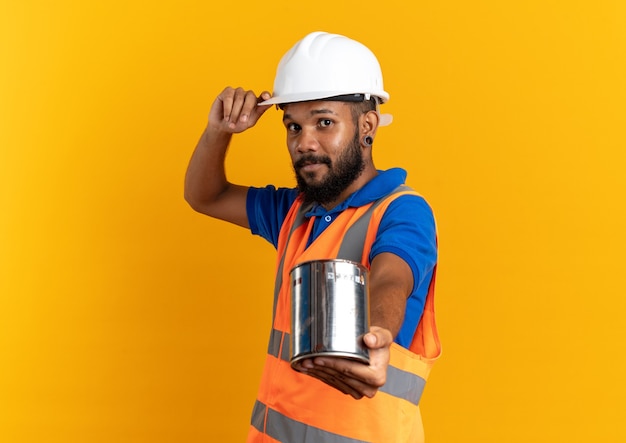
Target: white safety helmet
324	66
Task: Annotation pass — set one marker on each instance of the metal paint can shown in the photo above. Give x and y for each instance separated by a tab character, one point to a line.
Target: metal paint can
329	310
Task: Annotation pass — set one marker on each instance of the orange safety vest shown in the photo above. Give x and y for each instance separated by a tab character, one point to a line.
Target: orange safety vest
295	408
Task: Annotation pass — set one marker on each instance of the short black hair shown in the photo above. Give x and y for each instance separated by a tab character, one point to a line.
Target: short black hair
363	107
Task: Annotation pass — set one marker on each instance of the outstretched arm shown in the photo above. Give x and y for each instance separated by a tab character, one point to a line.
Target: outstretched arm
207	190
391	281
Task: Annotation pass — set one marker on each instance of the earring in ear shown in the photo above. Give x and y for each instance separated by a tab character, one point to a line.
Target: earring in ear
368	140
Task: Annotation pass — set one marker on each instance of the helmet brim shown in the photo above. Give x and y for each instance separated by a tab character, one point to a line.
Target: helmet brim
316	95
385	119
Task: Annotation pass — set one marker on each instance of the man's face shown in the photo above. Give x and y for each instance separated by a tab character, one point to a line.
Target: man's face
325	150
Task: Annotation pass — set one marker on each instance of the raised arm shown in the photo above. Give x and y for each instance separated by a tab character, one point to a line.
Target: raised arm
207	190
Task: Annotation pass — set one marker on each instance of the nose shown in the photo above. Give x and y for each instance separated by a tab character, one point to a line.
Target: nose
307	142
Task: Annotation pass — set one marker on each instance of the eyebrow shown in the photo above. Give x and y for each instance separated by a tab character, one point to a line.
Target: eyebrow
313	112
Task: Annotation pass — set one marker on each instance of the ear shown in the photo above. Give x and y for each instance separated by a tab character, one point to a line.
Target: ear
368	123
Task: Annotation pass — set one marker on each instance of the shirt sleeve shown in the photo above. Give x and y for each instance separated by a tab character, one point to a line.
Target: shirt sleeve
267	208
408	230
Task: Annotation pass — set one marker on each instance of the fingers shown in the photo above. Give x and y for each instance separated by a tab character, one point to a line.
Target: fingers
372	375
354	378
237	103
349	377
336	379
240	108
341	383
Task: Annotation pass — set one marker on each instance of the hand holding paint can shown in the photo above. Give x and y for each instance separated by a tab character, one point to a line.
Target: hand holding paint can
329	310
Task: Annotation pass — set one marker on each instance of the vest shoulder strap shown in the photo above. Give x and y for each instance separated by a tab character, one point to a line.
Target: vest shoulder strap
353	243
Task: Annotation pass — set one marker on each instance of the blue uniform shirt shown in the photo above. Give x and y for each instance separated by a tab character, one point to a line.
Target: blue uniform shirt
407	230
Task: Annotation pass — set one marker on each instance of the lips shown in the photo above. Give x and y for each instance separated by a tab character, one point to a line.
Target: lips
311	162
311	167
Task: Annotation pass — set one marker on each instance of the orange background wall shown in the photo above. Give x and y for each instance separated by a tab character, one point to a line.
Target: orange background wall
126	317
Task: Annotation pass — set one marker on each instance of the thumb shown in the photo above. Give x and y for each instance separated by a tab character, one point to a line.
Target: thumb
378	338
264	96
259	110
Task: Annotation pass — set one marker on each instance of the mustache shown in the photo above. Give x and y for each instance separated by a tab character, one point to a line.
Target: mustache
312	159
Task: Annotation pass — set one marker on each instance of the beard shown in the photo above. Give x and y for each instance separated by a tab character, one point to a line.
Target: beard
347	168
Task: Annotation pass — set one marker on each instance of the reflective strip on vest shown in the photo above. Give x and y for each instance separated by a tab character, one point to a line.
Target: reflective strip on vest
283	428
353	242
400	384
279	270
403	385
274	347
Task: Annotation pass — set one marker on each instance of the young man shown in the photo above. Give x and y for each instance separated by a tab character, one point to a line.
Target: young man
329	88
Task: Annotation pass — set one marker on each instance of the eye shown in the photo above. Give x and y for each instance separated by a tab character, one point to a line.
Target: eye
292	127
325	122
